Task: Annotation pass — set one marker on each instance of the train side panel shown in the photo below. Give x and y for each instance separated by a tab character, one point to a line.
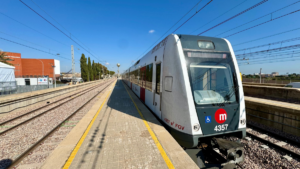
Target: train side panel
177	103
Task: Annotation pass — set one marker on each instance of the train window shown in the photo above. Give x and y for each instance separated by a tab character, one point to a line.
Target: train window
168	83
149	75
157	83
212	83
143	77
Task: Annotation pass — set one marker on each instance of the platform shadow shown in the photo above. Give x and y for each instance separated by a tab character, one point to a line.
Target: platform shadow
119	100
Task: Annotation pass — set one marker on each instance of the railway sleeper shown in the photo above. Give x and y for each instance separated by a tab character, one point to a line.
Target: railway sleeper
206	156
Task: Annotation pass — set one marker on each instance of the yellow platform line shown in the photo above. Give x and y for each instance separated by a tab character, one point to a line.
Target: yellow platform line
157	143
74	152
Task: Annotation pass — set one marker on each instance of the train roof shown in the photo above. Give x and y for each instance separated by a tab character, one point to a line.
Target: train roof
188	42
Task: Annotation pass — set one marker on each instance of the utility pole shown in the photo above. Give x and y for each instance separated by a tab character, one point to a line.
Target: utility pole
73	65
260	75
54	78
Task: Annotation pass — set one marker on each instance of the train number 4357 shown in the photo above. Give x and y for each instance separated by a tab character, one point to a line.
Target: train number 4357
222	127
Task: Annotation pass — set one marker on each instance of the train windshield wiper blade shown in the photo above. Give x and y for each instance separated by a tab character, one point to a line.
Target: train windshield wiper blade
231	93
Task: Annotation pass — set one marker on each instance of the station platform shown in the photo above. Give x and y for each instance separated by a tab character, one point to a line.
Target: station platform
122	134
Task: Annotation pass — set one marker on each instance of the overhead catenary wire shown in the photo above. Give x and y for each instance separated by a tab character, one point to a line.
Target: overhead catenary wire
273	60
59	24
172	27
263	23
192	16
269	50
33	48
218	16
254	6
169	29
269	56
30	42
33	29
266	37
258	18
273	53
269	44
58	29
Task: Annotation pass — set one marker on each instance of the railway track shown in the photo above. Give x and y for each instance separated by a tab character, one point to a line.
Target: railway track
8	128
265	150
20	100
91	93
276	144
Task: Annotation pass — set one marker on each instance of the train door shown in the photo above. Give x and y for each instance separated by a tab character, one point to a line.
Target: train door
157	92
142	83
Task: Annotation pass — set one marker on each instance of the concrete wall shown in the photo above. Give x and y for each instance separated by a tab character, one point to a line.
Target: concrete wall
269	92
275	115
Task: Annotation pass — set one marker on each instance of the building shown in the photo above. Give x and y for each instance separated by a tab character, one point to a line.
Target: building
34	67
40	67
275	74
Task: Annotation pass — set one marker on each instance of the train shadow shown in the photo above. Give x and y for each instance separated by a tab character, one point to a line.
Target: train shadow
5	163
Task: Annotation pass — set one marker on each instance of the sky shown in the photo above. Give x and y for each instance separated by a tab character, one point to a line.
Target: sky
118	31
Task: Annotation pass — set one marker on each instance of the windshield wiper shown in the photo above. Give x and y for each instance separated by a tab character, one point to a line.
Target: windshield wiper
231	93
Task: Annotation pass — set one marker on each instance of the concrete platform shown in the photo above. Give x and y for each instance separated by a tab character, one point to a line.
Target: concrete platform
124	134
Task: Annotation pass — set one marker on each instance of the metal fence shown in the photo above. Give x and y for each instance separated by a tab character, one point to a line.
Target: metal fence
7	88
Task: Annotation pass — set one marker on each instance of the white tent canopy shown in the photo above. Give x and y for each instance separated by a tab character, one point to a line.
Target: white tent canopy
7	73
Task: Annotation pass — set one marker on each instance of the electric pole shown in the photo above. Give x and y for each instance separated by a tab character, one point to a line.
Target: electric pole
73	65
260	75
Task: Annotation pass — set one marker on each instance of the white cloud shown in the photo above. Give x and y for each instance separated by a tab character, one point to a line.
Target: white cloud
152	31
107	63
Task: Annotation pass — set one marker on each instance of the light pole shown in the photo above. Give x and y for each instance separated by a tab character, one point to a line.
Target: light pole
118	69
54	78
260	75
42	66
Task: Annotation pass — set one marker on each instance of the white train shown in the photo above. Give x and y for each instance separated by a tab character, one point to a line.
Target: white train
192	85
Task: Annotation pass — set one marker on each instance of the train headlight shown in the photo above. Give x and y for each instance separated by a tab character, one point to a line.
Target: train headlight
243	121
196	127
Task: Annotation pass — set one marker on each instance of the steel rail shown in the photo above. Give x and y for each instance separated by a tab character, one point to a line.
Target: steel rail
6	103
285	150
34	117
23	155
275	135
12	119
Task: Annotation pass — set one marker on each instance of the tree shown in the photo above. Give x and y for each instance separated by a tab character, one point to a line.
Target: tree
84	68
111	73
98	70
90	70
4	59
94	70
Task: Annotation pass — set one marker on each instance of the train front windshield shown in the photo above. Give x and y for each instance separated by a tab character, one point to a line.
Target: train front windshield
212	77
